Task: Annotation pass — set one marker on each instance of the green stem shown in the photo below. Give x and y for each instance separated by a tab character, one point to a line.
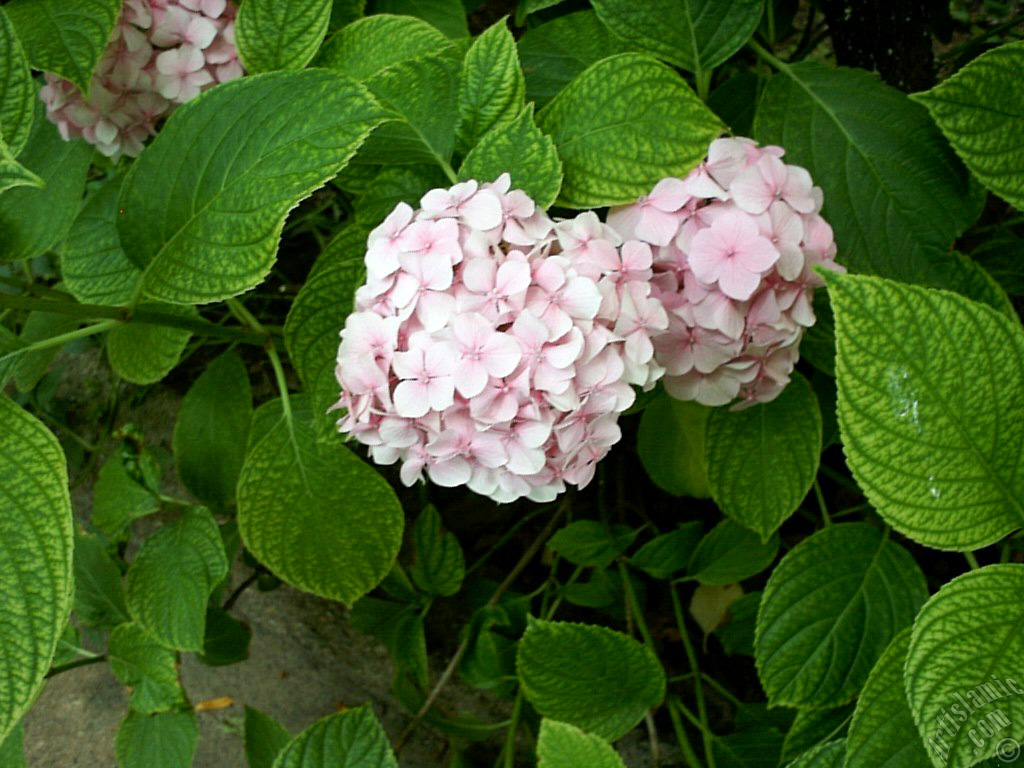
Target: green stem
703	78
550	612
75	665
972	560
821	502
448	170
634	606
508	752
64	338
238	309
689	754
698	687
768	56
127	315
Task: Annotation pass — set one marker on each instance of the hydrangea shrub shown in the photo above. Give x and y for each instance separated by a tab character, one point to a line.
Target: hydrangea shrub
500	332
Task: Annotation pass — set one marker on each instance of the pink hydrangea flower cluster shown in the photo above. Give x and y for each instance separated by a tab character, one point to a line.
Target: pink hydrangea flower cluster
734	245
493	347
162	53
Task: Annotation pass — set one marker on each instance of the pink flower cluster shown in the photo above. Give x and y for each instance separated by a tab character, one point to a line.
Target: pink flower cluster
494	347
734	243
162	53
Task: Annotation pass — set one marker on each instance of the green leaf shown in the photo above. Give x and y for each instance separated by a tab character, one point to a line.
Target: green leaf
14	174
422	94
737	637
32	366
623	125
554	53
812	727
399	627
931	388
9	343
142	353
36	544
393	185
757	747
92	262
66	37
173	575
491	89
147	667
99	598
589	676
440	565
671	444
560	745
592	543
449	16
830	608
12	749
280	34
264	738
735	101
667	554
521	150
830	755
882	733
895	205
696	35
970	279
344	12
965	665
258	146
730	553
979	109
315	514
212	429
32	219
226	639
490	659
317	316
118	498
365	47
17	90
164	740
761	461
351	739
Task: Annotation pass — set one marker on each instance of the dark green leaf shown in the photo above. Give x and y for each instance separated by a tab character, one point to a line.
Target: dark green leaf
142	353
17	90
449	16
812	727
592	543
226	640
669	553
671	445
737	636
118	498
32	366
145	666
164	740
264	738
753	748
280	34
99	598
212	429
731	553
440	565
12	749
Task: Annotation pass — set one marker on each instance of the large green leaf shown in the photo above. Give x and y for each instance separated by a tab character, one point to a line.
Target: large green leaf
830	755
882	733
93	264
365	47
671	442
621	126
317	316
280	34
351	739
761	461
560	745
980	110
554	53
589	676
730	553
142	353
66	37
36	544
255	147
491	89
964	674
145	666
422	94
17	90
99	598
173	575
829	610
14	174
895	205
12	749
521	150
449	16
931	392
315	514
33	220
212	429
696	35
164	740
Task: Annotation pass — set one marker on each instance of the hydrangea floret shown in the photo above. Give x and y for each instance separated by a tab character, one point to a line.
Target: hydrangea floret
734	245
494	347
162	53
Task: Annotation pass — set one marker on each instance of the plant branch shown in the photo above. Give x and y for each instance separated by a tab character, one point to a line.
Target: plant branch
75	665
